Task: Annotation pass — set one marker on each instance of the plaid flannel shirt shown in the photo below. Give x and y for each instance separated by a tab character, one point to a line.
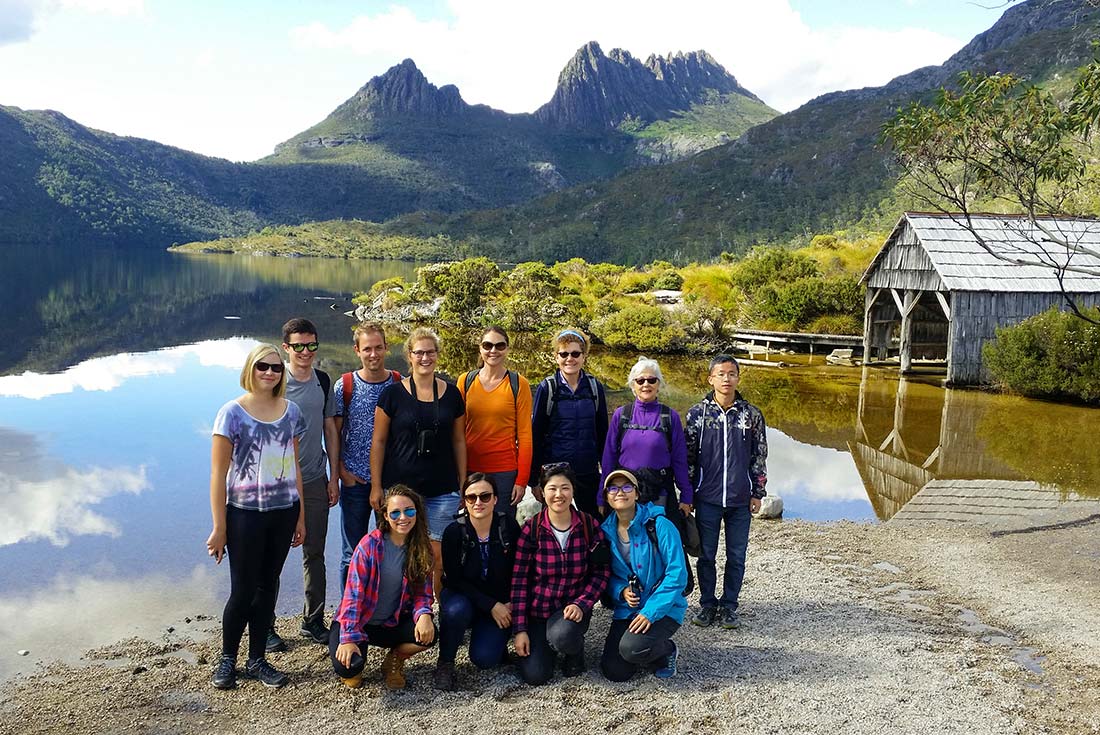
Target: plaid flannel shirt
361	592
547	578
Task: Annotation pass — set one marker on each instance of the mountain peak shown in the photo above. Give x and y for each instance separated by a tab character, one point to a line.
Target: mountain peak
403	90
597	90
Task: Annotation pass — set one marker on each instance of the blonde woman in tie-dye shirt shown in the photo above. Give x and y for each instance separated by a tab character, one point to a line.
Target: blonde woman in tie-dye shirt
255	491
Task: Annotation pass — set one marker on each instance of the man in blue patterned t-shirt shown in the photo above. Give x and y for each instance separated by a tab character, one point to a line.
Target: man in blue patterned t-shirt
356	396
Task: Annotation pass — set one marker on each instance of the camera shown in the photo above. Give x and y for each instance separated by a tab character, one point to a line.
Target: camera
425	442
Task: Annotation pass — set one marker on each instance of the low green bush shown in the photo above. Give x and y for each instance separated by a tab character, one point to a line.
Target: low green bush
1051	355
640	327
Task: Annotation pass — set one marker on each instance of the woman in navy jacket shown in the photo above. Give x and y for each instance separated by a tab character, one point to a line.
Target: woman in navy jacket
569	420
647	583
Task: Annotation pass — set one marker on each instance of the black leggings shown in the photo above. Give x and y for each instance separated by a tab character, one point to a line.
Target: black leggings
258	542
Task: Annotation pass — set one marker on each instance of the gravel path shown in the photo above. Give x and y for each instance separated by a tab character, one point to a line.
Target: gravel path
847	628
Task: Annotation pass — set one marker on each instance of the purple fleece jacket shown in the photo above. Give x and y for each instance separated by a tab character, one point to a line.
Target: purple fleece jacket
644	448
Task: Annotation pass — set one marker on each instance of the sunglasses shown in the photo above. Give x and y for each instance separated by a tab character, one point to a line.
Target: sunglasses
644	380
555	467
620	489
409	512
263	367
498	346
475	497
424	353
299	346
574	354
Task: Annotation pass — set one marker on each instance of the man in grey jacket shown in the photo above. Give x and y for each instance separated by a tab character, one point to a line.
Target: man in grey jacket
727	449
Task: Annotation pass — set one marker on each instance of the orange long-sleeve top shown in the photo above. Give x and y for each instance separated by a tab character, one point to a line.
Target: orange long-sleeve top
498	428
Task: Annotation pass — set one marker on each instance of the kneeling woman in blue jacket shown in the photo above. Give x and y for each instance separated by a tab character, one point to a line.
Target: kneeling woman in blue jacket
647	583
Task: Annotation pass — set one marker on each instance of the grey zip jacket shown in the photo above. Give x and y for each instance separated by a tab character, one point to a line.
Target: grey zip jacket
727	452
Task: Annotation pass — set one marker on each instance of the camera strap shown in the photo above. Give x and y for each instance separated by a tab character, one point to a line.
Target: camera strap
435	399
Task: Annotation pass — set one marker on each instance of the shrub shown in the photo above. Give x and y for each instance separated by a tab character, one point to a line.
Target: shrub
639	326
671	281
1051	355
463	285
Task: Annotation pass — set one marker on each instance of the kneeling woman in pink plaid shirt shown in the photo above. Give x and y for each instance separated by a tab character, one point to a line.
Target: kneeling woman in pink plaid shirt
388	597
562	568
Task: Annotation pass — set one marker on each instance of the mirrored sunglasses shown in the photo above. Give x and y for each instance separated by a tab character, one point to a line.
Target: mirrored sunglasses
620	489
409	512
299	346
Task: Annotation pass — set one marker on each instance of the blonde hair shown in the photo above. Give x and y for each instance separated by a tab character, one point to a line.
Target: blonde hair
570	335
368	328
418	334
248	372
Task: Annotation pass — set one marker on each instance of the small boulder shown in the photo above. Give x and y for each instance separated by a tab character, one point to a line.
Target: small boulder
770	507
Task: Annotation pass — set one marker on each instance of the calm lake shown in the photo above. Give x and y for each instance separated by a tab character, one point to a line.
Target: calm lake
116	362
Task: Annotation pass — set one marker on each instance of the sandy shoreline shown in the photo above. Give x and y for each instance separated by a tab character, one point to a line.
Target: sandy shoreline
847	628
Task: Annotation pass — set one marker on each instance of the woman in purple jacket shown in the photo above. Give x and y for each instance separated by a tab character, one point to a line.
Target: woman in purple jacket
647	434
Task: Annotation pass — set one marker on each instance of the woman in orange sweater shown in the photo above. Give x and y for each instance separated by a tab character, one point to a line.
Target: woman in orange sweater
498	420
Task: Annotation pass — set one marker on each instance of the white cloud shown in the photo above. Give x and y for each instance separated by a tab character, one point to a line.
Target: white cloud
509	54
108	373
75	614
19	18
811	472
59	507
105	7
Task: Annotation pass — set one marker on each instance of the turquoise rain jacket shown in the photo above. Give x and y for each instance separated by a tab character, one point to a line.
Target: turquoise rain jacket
661	571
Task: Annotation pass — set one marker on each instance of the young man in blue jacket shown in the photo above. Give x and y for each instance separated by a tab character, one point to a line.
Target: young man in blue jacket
727	460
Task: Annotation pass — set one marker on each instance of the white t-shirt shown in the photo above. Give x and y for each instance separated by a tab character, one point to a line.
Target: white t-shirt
262	471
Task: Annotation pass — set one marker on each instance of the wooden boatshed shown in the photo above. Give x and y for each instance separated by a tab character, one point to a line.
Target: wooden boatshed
944	294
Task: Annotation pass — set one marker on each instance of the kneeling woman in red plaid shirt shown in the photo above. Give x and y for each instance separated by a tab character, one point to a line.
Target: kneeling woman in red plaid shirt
388	597
562	568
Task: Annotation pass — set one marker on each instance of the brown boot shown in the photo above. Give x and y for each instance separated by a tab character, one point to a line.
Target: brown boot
393	671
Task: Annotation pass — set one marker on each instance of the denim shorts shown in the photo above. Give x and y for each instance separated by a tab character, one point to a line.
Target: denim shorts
441	512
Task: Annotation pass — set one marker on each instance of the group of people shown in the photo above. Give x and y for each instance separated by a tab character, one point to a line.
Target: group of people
428	475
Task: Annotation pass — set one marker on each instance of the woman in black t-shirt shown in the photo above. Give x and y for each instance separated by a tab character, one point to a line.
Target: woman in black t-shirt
420	439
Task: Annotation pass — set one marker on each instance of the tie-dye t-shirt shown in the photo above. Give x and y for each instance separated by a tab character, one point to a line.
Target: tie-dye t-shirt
262	472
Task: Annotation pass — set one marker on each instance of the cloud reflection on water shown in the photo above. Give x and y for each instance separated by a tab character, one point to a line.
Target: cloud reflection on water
818	474
108	373
71	615
42	498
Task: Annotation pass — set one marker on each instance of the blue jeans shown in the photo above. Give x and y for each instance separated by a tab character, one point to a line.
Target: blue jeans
487	641
709	518
358	521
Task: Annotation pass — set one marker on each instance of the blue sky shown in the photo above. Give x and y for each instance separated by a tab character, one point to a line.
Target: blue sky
235	78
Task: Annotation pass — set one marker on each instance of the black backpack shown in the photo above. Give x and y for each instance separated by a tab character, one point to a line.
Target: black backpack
551	383
651	531
664	425
467	544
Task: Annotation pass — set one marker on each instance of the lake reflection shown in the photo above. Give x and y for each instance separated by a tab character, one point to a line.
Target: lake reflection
107	401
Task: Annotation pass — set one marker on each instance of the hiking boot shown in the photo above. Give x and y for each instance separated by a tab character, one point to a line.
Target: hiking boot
352	682
315	630
259	668
225	673
393	671
667	670
573	665
444	676
275	643
730	619
705	617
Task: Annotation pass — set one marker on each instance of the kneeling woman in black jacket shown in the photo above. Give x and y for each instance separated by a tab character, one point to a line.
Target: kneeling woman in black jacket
478	552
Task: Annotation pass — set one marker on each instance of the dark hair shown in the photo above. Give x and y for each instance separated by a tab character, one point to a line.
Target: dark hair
499	330
418	555
298	325
558	468
719	359
474	478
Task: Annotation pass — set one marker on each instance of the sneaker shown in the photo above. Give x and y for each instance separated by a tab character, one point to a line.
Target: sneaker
259	668
275	643
352	682
393	671
705	617
730	619
314	630
225	673
573	665
444	676
667	670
